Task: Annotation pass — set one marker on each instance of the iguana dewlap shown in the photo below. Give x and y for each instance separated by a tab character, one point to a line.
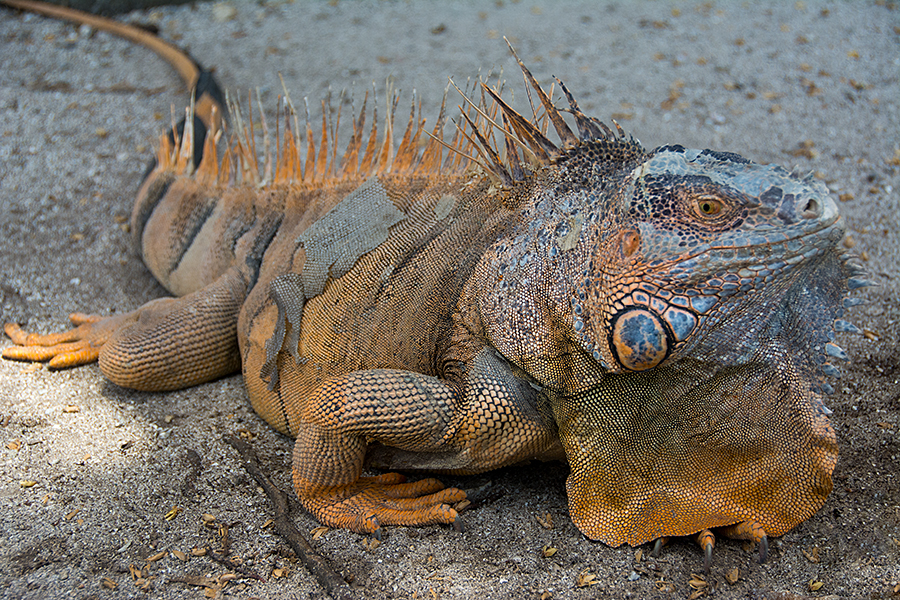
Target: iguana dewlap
662	320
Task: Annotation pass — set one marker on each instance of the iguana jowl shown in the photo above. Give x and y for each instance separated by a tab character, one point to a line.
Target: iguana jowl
661	319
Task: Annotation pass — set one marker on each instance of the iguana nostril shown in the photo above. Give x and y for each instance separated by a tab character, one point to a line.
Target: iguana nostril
812	209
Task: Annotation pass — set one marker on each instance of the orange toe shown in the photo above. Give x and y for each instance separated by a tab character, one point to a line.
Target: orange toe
75	358
707	542
370	502
82	318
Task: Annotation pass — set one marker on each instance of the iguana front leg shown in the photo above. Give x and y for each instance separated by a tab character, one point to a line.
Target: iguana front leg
167	344
493	419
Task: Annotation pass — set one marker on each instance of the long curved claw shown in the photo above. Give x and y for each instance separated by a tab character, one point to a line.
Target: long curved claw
370	502
707	542
458	525
752	531
658	546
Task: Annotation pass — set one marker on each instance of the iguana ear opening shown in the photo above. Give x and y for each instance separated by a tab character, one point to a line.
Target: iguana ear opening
675	450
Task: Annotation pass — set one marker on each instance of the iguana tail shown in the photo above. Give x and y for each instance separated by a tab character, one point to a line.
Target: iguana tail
209	101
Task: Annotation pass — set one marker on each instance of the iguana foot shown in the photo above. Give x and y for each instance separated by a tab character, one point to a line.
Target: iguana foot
705	538
78	346
371	502
752	531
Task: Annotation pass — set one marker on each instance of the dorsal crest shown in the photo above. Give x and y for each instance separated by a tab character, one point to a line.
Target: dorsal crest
490	134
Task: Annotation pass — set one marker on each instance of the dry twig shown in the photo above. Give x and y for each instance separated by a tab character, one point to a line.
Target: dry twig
334	585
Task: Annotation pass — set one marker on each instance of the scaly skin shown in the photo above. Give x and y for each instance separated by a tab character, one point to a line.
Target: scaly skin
661	320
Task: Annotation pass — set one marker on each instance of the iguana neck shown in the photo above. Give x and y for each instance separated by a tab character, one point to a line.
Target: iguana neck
526	283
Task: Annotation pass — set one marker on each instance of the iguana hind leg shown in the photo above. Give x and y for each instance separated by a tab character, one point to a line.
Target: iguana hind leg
706	539
169	343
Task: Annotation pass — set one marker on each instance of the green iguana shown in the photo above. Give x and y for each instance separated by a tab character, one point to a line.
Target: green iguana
663	320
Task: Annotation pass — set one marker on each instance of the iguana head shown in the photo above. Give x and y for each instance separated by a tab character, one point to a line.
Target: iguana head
701	247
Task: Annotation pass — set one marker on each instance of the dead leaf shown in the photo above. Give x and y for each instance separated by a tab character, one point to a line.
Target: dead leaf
199	580
108	583
546	520
806	149
732	576
586	578
136	573
665	586
370	543
698	582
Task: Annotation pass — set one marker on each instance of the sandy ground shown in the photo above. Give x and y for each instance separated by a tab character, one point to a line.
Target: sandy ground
806	83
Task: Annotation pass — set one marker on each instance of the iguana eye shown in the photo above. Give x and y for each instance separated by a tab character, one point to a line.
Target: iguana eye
707	206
